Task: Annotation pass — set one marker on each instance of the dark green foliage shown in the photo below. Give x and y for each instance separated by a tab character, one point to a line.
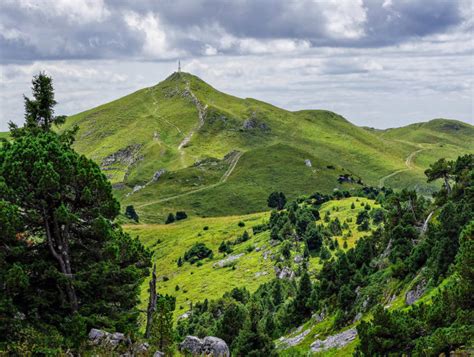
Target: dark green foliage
277	200
252	339
180	262
131	213
197	252
170	218
353	205
225	247
313	238
285	249
259	228
39	111
162	334
181	215
241	224
335	227
77	269
301	303
243	238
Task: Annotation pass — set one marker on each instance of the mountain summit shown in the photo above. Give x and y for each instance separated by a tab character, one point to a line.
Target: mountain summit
184	144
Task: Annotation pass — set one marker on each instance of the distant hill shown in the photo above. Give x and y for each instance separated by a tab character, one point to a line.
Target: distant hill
183	145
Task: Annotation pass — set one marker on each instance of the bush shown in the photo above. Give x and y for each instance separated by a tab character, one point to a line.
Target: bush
131	213
259	228
181	215
170	219
205	228
241	224
197	252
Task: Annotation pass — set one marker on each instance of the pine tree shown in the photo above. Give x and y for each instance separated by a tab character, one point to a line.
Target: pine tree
162	334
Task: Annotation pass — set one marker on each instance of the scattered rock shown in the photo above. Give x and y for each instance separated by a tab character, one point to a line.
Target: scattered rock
100	337
414	294
208	346
318	317
158	174
261	273
266	254
284	273
184	316
334	341
158	354
254	123
274	242
293	341
298	259
227	260
308	163
258	249
141	348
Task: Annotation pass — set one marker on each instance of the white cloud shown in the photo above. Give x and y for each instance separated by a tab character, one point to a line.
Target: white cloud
345	19
156	43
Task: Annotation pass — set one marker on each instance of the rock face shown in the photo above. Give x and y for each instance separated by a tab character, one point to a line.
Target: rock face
253	123
126	156
414	294
208	346
338	340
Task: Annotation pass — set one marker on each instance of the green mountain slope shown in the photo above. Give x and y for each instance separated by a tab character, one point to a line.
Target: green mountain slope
184	145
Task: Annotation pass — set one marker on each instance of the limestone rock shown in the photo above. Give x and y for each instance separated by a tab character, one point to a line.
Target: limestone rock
308	163
284	273
208	346
335	341
158	174
295	340
414	294
222	263
214	346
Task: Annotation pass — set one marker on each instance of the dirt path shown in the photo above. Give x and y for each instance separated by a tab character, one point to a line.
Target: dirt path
223	179
201	115
408	163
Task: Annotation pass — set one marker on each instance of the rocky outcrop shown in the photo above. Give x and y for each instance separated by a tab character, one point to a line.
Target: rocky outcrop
100	337
254	123
284	273
295	340
222	263
335	341
126	156
415	293
208	346
158	174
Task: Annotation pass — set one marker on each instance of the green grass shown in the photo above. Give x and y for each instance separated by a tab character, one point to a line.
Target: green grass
157	119
196	283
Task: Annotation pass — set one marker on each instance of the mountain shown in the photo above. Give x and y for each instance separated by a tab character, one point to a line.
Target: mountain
183	145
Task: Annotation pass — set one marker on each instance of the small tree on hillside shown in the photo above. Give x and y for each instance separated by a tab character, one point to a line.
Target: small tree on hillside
170	219
131	213
277	200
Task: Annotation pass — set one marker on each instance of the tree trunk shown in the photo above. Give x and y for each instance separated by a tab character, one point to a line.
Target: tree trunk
447	185
151	303
62	256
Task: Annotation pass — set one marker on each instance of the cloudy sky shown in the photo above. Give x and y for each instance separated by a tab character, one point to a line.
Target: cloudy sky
380	63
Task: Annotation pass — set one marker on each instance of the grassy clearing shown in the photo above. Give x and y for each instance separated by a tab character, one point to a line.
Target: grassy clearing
342	210
197	283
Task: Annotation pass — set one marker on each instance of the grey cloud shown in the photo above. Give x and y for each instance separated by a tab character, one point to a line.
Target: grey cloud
190	26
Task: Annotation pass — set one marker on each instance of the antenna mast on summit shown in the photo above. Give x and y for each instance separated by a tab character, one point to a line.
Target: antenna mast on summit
179	66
